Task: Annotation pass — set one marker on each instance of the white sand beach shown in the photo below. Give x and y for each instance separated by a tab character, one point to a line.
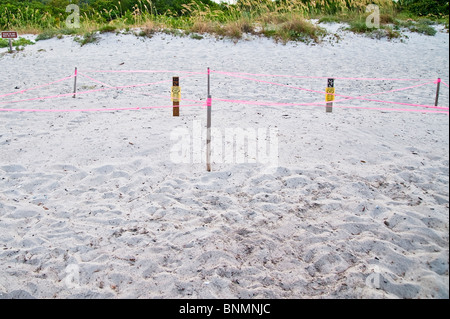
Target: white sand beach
99	205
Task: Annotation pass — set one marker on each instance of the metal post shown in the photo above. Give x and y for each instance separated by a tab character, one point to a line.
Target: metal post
75	84
208	126
209	82
436	101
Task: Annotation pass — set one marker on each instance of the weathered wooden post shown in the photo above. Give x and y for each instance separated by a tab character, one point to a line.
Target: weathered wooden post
329	98
176	95
436	101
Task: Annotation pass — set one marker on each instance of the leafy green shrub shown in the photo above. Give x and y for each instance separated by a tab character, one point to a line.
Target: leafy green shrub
436	8
359	27
16	14
21	42
384	31
423	28
4	43
46	35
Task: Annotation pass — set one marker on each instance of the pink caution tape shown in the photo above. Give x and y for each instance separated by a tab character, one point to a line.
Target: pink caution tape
146	94
233	74
392	109
143	71
91	110
94	80
321	92
318	77
350	97
85	92
337	106
445	109
37	87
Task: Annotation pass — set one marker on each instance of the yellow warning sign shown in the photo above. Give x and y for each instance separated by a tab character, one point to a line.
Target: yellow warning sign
329	97
176	94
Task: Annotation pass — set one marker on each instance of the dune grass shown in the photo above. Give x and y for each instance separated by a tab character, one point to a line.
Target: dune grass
281	20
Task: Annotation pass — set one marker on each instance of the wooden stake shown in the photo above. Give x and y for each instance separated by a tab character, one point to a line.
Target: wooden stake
436	101
10	46
329	97
176	95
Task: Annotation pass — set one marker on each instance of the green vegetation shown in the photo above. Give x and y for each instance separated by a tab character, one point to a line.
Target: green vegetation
430	8
107	29
19	43
282	20
298	29
385	31
88	37
420	26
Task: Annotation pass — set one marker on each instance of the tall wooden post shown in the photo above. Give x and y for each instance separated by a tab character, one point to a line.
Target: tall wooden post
176	95
330	95
436	101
